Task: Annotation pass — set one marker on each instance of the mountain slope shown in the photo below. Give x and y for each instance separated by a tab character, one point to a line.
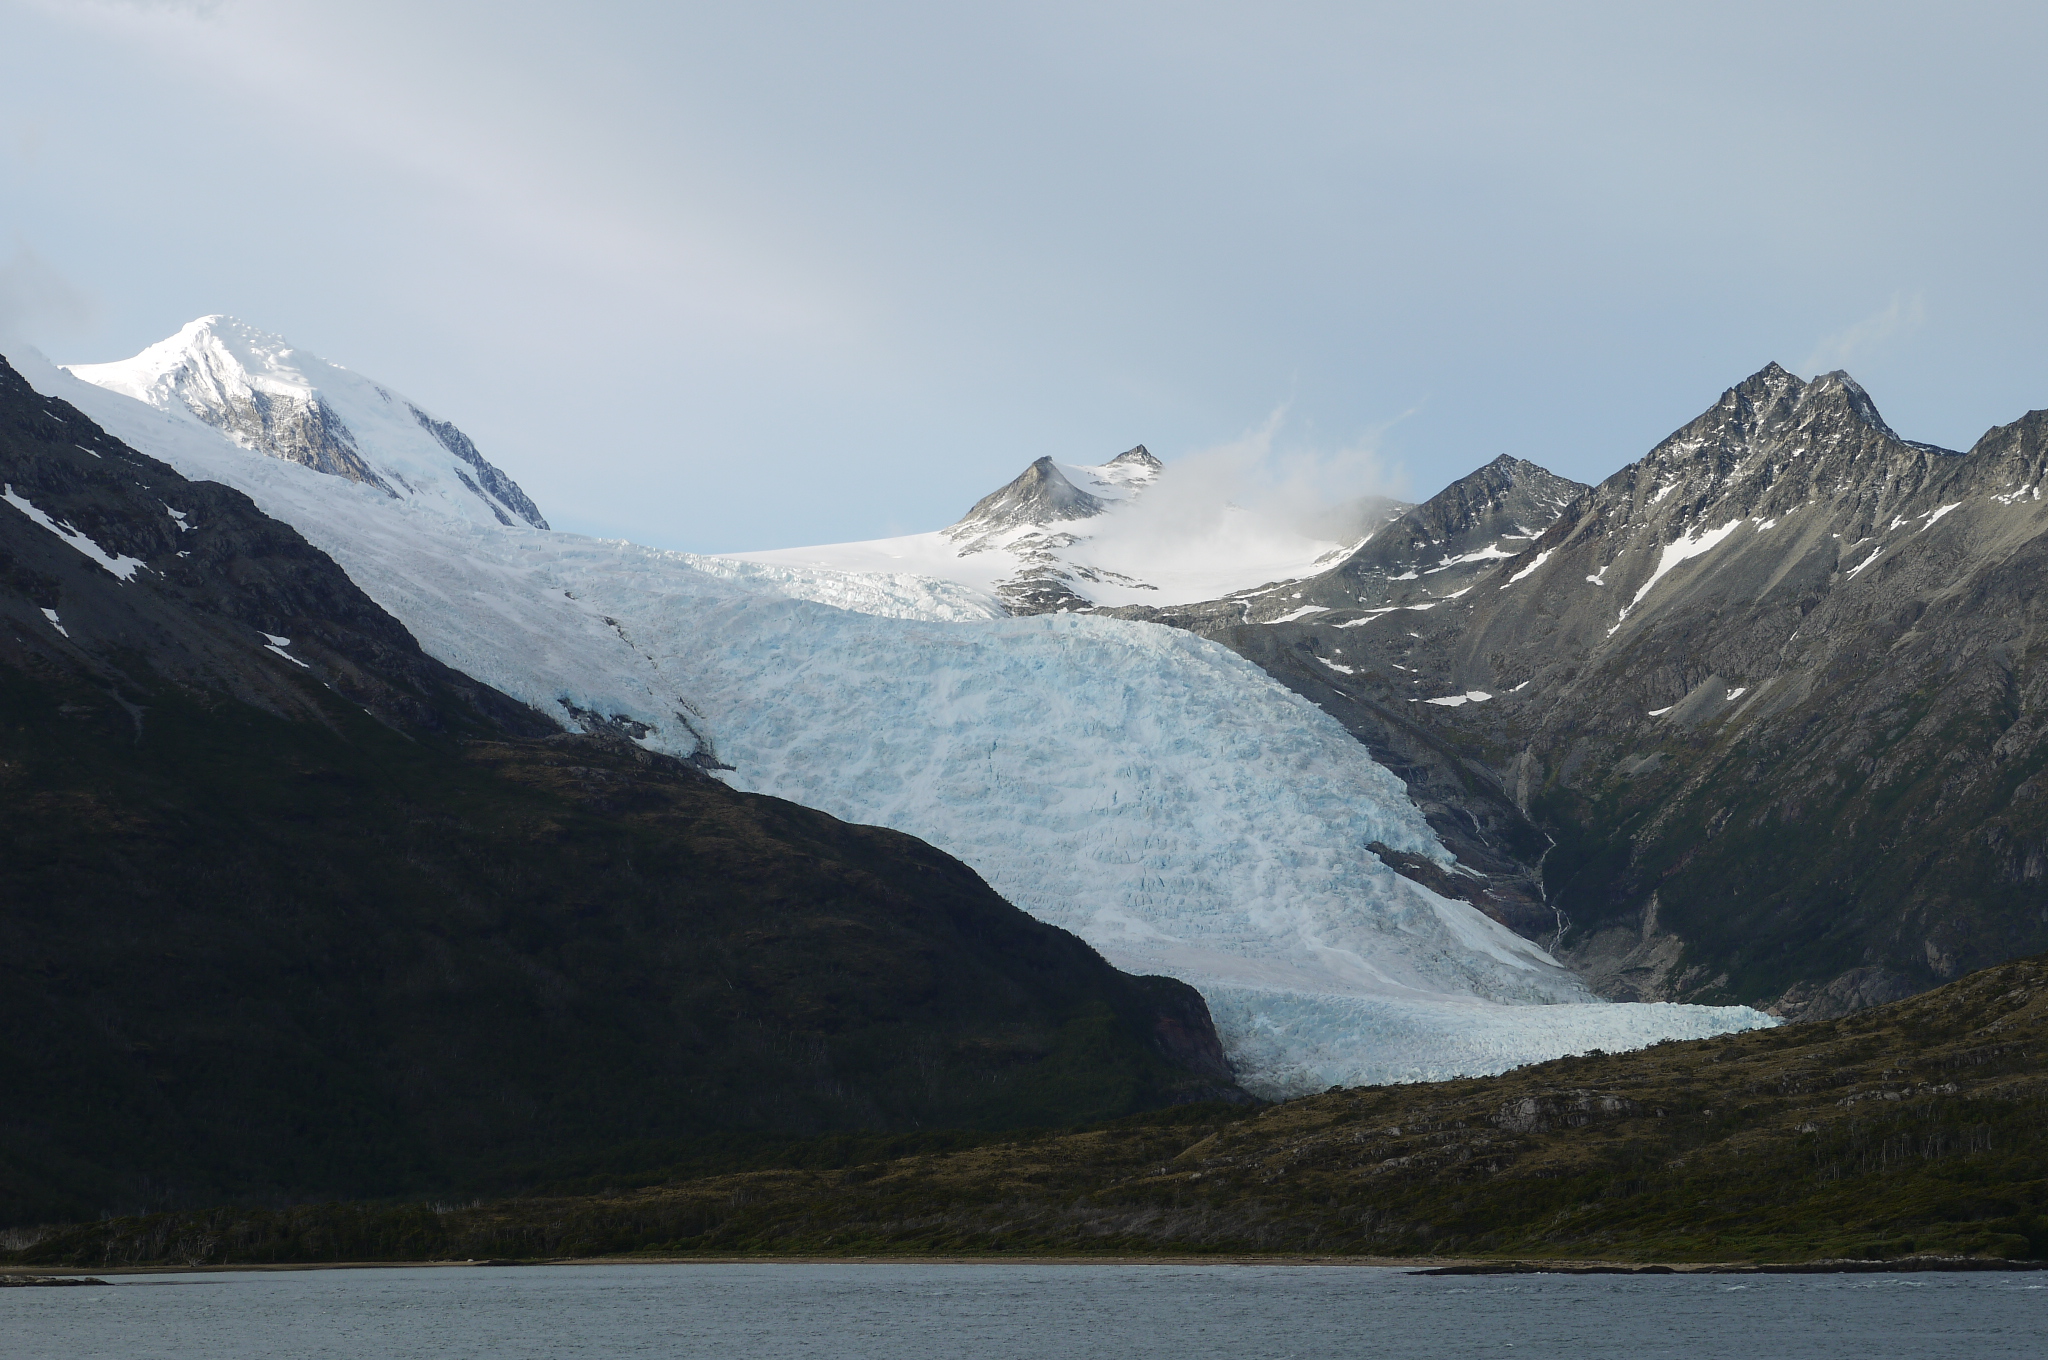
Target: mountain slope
1773	691
1147	790
119	569
1049	493
1844	695
288	909
1417	558
1427	556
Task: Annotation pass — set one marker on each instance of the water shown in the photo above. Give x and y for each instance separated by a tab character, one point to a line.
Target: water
1009	1312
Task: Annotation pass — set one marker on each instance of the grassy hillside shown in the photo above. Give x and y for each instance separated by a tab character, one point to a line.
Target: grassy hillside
1916	1128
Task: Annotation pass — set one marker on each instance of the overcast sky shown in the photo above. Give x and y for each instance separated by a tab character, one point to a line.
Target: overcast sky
741	276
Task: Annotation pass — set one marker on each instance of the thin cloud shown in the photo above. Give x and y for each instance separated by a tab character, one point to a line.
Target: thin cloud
39	304
1251	499
178	9
1902	316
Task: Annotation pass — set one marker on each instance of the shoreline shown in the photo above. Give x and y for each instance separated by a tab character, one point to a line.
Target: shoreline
1413	1265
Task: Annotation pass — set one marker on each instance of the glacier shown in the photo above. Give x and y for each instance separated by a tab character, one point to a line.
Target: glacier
1149	790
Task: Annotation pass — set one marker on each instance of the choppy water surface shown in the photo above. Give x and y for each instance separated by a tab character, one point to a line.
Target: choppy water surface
996	1312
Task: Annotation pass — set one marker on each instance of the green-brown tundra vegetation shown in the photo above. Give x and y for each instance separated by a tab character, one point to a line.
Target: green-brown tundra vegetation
1915	1128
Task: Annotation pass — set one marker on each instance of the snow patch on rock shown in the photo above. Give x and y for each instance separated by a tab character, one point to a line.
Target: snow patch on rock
117	563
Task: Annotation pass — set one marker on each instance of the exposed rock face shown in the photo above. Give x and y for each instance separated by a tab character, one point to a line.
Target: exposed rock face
1777	701
1044	494
1435	550
1775	691
494	480
295	429
1039	495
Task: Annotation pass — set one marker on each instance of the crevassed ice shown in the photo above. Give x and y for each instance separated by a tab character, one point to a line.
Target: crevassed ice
1147	789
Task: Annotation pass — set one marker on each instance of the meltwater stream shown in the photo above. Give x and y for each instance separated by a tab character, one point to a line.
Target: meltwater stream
1010	1312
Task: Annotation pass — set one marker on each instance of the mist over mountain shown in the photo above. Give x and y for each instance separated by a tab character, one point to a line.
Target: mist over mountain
1133	531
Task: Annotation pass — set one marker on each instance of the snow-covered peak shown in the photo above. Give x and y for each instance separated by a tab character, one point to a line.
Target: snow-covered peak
1042	494
1077	537
217	350
271	398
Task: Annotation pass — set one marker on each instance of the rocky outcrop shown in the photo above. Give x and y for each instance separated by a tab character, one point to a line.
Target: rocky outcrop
506	492
304	432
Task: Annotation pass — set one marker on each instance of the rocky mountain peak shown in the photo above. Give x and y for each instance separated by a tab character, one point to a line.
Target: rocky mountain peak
1763	389
1137	458
1484	517
1840	395
1039	495
1772	445
1511	484
1048	492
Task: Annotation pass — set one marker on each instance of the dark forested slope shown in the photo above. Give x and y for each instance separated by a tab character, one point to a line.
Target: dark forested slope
1914	1129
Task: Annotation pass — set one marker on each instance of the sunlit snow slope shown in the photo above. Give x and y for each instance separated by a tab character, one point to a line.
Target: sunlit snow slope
268	397
1149	790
